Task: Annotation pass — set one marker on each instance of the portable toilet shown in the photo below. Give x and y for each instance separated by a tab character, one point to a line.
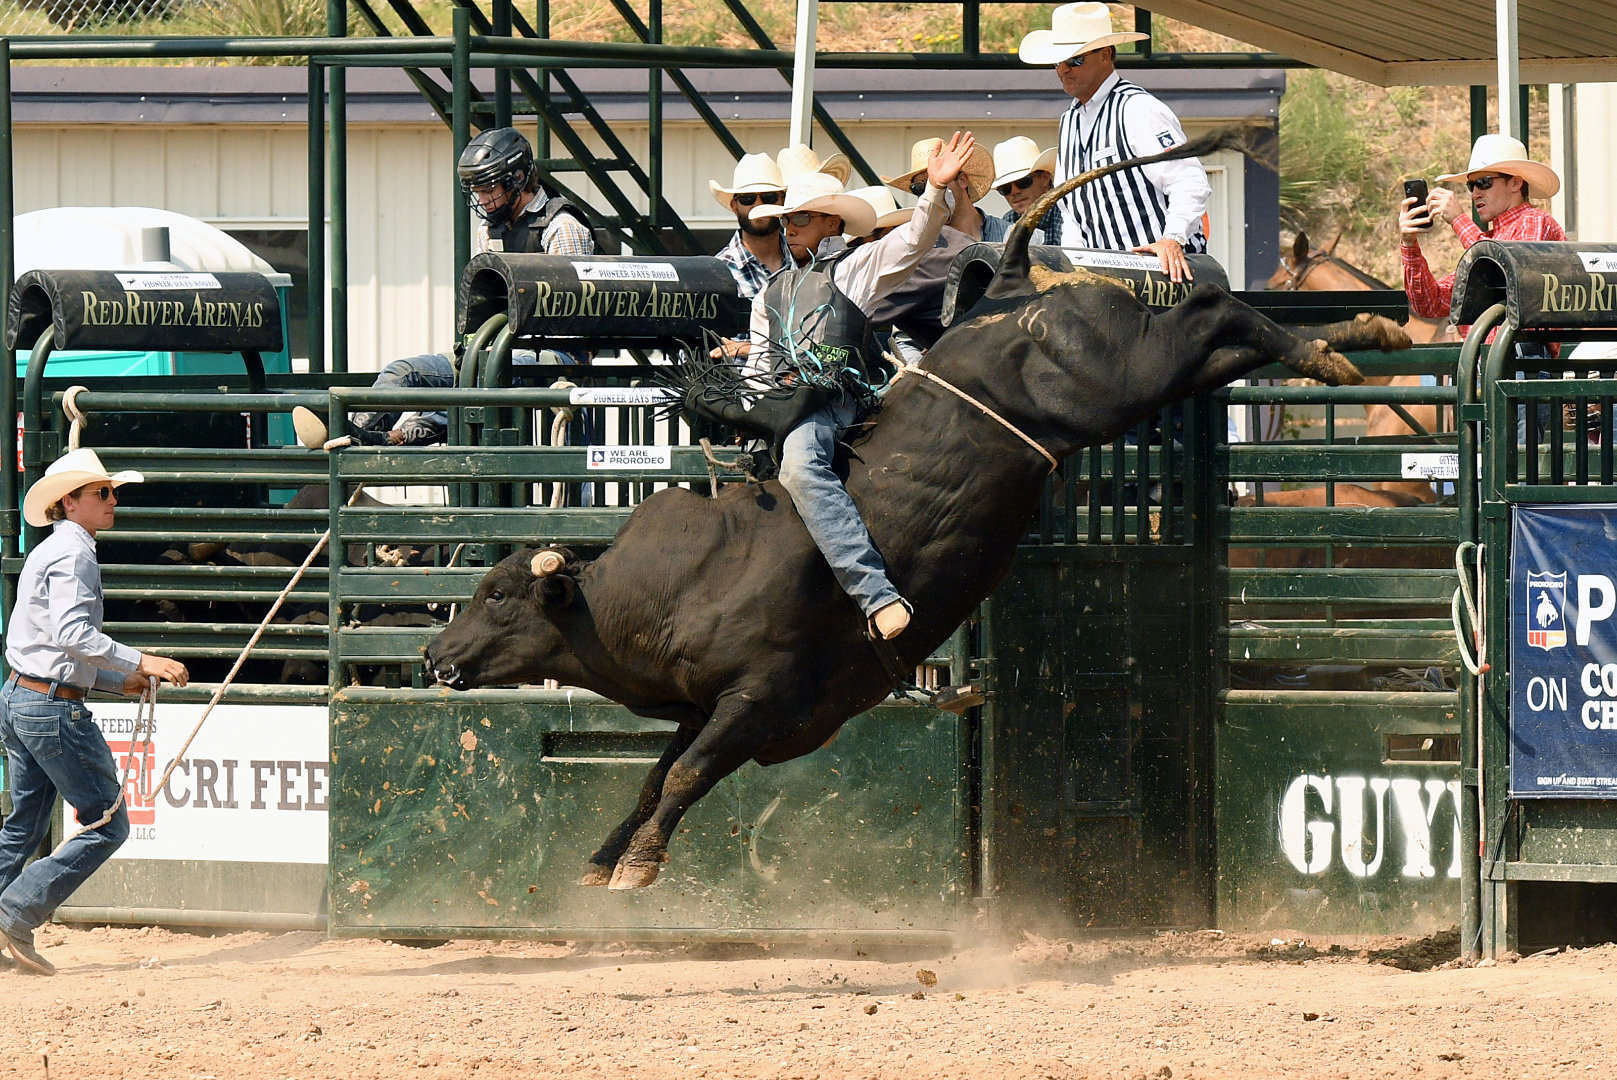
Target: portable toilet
139	238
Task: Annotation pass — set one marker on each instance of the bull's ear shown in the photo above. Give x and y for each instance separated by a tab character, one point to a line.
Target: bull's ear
556	591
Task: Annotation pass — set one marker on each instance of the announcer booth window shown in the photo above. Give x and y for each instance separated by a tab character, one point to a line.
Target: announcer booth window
286	248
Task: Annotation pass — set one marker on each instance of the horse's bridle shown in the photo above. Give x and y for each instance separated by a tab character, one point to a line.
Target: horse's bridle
1319	256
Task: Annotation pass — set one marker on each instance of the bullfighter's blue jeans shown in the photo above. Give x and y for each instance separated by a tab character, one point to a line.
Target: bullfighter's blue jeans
827	510
52	745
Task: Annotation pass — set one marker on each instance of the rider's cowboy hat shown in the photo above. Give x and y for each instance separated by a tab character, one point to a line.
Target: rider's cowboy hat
979	170
822	194
1502	154
67	474
798	159
888	212
753	174
1020	156
1074	29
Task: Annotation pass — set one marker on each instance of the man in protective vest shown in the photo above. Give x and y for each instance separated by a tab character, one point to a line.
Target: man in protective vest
811	344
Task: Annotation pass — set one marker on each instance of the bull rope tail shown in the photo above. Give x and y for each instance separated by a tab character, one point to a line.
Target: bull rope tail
558	437
70	406
145	726
241	658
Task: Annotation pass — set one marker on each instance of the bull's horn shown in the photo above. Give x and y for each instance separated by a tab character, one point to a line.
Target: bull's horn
547	562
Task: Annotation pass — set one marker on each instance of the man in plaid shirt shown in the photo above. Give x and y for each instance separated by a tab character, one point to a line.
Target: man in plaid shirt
757	251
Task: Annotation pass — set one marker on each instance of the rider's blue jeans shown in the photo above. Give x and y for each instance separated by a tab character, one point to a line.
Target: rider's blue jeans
827	510
52	745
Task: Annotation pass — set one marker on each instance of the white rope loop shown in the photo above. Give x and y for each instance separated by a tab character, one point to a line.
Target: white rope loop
75	415
1477	664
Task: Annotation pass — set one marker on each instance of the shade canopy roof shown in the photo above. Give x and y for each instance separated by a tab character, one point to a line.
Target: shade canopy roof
1404	43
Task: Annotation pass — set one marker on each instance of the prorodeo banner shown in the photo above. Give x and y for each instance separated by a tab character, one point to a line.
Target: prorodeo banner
1563	652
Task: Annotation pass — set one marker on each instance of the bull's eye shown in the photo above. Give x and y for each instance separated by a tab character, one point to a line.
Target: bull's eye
496	597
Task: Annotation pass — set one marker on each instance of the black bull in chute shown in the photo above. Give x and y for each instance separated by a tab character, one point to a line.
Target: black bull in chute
720	614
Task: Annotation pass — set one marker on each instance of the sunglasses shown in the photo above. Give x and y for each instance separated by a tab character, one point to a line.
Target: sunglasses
802	219
1073	61
104	493
1481	183
773	198
1020	185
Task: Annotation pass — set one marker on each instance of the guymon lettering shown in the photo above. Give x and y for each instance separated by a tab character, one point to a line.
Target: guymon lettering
1357	821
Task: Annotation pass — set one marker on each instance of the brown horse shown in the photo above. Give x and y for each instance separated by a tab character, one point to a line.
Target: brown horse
1305	269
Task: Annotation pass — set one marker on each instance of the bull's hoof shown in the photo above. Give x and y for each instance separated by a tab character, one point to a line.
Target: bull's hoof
596	876
1329	366
632	876
1387	334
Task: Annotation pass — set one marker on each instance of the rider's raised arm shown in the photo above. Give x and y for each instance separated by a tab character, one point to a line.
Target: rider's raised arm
873	270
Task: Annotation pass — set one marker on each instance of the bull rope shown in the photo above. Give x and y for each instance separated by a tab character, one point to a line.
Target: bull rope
913	369
149	695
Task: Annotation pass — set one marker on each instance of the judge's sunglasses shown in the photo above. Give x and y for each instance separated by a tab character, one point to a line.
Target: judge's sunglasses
1020	185
773	198
1481	183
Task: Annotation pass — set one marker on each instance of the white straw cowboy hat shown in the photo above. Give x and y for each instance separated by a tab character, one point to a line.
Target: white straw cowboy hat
823	194
1074	29
66	475
1502	154
798	159
1020	156
753	174
888	212
979	168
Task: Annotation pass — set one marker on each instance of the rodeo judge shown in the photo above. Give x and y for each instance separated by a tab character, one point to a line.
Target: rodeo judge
55	652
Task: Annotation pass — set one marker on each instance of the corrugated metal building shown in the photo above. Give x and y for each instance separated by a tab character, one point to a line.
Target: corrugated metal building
228	145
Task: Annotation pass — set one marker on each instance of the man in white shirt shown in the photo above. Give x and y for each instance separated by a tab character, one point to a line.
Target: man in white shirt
1156	208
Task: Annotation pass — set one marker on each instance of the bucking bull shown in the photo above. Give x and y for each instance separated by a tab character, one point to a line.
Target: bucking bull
720	614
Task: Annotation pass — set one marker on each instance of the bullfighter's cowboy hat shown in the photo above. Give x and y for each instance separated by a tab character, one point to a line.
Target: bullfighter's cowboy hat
979	170
1074	29
888	212
1497	153
1020	156
67	474
798	159
822	193
754	173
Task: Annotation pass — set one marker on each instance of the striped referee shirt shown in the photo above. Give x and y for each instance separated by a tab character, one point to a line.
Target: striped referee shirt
1135	207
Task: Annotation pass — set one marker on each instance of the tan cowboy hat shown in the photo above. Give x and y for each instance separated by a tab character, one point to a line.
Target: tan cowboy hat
823	194
1502	154
979	168
1074	29
753	173
66	475
798	159
1020	156
888	212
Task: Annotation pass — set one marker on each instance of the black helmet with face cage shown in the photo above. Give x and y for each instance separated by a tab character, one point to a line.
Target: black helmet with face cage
499	157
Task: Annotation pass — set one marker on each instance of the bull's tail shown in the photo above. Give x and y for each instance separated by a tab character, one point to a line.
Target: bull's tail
1012	276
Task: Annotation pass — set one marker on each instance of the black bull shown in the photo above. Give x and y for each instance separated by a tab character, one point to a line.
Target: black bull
720	614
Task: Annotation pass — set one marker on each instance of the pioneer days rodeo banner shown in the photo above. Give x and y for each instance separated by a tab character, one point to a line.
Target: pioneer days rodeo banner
1563	652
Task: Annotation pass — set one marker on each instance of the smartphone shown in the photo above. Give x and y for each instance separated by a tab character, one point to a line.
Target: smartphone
1416	189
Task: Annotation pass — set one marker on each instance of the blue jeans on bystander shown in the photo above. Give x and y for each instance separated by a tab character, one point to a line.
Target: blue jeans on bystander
52	745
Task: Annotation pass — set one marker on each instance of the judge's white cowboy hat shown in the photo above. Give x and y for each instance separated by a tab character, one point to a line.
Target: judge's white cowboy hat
1502	154
888	212
798	159
822	194
1074	29
979	168
1020	156
753	173
67	474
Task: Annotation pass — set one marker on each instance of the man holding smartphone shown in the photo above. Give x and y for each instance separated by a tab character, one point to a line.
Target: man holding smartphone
1500	180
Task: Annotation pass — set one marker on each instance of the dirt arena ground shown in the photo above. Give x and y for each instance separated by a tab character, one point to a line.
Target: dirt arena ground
252	1006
